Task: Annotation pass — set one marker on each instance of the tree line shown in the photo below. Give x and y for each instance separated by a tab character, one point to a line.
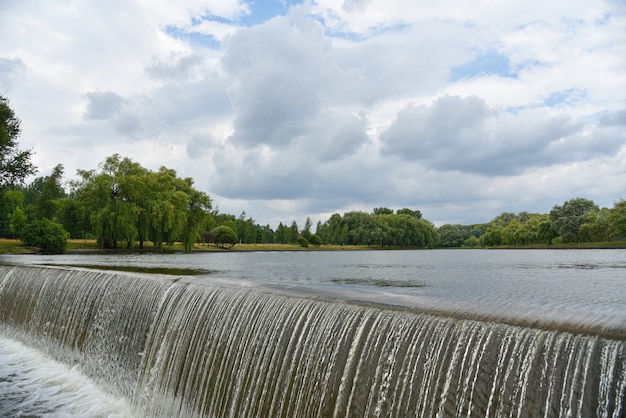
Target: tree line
577	220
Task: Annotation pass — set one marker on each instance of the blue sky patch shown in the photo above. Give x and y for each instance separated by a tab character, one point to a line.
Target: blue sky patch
485	64
263	10
568	96
194	38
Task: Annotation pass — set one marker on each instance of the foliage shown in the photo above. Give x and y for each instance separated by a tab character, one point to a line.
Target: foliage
303	242
381	228
617	219
315	240
126	202
568	218
15	165
47	235
225	235
17	221
576	221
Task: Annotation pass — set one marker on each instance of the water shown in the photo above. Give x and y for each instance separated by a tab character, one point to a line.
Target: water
34	385
581	288
389	333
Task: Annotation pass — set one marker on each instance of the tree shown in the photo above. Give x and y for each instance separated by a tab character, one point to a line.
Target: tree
281	234
48	191
315	240
306	232
617	219
452	235
17	221
293	233
546	233
15	165
414	213
47	235
568	218
126	202
382	211
225	235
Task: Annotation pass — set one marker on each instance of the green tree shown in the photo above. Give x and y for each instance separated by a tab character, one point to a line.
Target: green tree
281	236
48	192
382	211
15	164
492	236
315	240
413	213
617	219
17	221
293	233
546	233
47	235
568	218
126	202
306	231
452	235
9	202
225	235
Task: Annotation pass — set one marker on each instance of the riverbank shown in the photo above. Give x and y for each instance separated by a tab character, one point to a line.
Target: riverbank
10	246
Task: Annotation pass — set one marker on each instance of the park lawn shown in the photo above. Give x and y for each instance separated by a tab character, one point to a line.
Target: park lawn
12	246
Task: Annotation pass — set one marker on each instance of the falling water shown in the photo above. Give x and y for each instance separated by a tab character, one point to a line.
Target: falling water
176	349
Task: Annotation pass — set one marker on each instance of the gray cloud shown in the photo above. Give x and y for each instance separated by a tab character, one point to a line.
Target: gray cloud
177	68
279	72
103	105
10	69
465	134
614	118
199	145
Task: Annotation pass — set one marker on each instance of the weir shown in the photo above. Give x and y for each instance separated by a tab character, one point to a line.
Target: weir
176	349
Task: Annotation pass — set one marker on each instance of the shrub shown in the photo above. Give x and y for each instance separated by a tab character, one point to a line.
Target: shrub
47	235
303	241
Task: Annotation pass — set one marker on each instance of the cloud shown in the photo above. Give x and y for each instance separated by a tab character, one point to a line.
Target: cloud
466	135
103	105
10	69
279	71
177	67
614	118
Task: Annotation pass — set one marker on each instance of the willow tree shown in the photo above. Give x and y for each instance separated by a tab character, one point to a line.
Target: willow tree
126	202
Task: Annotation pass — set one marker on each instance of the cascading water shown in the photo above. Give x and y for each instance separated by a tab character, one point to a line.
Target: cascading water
176	349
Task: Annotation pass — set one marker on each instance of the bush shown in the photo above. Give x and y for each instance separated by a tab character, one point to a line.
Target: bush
47	235
303	241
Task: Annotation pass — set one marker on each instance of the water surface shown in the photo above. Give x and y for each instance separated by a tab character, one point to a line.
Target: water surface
578	288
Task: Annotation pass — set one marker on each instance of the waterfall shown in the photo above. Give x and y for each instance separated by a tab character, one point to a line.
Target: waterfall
178	349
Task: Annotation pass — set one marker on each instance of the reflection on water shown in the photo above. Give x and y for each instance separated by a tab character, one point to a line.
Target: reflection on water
376	282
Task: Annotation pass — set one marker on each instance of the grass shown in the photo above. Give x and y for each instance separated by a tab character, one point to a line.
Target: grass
11	246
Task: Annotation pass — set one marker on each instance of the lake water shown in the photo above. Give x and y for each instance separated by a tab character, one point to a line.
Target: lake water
578	288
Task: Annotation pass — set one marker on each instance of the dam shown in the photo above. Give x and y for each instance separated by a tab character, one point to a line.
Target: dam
171	346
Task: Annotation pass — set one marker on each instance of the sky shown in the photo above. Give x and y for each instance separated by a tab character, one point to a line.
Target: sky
462	109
